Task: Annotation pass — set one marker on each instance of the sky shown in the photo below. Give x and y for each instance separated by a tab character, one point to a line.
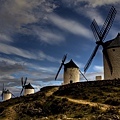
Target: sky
35	34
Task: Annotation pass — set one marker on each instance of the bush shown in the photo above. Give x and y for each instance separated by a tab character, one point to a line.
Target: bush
64	100
94	99
112	110
1	109
79	115
95	109
114	101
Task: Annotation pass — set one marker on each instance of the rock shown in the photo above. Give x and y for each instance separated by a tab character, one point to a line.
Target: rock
44	118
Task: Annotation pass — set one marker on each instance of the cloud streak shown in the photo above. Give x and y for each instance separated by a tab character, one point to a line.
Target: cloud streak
48	36
17	15
5	67
95	3
98	68
38	55
92	3
70	26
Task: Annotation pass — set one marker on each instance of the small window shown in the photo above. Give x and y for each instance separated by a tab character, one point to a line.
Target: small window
113	49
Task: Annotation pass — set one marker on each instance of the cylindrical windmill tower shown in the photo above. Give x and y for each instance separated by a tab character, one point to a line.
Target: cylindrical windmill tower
113	50
28	89
71	73
6	95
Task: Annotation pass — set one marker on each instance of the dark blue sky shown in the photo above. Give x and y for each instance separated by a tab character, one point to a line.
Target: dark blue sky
35	34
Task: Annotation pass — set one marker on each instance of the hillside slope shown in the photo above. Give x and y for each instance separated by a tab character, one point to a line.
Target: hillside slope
73	101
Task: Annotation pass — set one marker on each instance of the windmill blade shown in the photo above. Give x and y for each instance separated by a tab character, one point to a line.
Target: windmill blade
111	14
83	75
63	60
2	95
21	92
59	70
25	81
2	91
95	29
91	58
108	23
12	94
108	60
22	81
3	87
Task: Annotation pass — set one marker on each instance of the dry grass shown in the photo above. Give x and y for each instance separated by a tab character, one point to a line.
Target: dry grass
82	103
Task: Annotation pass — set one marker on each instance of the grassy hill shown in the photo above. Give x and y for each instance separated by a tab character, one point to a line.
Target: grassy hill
78	101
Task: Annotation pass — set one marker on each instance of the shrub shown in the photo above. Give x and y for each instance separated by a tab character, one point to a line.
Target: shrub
94	99
112	101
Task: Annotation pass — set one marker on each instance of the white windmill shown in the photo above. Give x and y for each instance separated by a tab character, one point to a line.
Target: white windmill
27	89
6	94
111	49
71	71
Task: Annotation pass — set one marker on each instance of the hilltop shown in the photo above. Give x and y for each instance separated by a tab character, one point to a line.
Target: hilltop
98	100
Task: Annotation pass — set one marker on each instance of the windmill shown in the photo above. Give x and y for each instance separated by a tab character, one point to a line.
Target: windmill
100	36
28	89
6	94
71	71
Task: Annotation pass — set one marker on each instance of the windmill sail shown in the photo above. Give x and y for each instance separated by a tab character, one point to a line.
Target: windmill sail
23	83
2	91
58	71
100	35
83	75
63	60
108	23
21	91
12	94
91	58
95	29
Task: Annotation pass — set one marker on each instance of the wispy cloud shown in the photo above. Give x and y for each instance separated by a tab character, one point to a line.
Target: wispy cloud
5	38
89	7
48	36
94	14
93	3
43	56
10	68
7	49
70	26
39	55
17	15
98	68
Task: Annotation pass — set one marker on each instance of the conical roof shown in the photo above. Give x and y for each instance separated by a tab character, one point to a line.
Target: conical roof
113	43
6	92
70	64
29	86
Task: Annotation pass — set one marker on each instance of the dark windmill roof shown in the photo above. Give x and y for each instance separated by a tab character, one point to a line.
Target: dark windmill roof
6	92
114	42
70	64
29	86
